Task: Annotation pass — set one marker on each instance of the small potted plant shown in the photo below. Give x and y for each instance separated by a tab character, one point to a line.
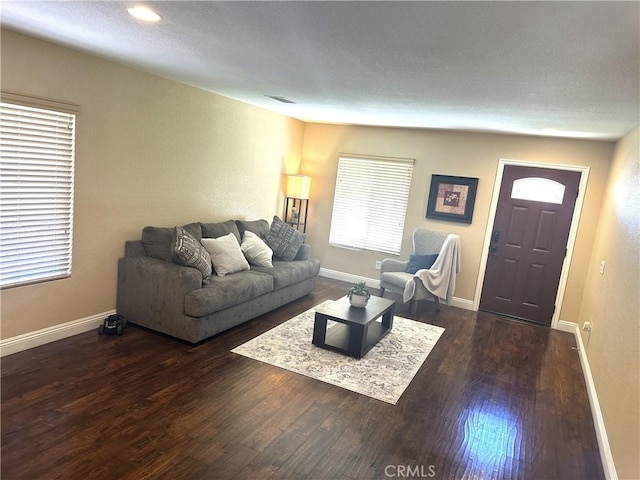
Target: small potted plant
359	295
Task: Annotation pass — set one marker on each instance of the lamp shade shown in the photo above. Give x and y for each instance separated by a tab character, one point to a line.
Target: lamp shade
298	186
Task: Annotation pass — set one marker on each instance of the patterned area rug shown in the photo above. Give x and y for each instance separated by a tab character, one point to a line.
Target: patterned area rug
384	373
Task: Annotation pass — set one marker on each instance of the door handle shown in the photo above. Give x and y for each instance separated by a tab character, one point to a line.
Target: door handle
495	238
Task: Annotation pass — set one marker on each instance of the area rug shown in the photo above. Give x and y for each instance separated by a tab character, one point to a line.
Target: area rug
383	373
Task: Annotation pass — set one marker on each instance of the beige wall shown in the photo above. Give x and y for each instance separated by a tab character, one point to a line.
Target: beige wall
149	152
448	153
612	304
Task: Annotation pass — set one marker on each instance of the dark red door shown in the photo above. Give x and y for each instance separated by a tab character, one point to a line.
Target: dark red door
529	242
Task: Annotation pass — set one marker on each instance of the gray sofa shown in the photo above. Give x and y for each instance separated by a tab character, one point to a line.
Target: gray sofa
157	292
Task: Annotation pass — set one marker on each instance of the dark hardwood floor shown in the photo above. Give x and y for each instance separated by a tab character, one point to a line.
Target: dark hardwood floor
494	399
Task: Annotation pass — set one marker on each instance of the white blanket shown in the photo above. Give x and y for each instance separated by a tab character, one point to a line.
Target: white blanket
440	279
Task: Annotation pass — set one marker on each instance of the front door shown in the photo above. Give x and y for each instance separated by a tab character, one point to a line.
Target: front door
529	242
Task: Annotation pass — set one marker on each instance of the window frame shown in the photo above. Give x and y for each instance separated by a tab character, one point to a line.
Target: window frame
381	195
45	181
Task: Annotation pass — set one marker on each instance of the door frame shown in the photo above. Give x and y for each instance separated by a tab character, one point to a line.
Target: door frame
573	230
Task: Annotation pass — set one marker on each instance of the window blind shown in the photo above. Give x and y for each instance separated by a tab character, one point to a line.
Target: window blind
36	193
370	203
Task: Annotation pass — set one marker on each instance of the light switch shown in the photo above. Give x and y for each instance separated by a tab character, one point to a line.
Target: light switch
602	264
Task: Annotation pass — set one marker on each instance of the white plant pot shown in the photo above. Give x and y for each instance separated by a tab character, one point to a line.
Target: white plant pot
359	301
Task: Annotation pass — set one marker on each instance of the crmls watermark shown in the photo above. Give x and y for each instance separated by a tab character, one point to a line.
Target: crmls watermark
410	471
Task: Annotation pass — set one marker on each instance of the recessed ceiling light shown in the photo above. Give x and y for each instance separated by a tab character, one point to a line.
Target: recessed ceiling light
144	14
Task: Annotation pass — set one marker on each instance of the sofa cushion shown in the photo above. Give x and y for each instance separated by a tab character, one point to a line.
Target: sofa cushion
284	240
220	229
157	241
259	227
226	255
255	250
288	273
190	252
227	291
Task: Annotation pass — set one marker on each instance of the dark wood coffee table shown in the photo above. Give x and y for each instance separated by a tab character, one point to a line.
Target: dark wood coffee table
357	329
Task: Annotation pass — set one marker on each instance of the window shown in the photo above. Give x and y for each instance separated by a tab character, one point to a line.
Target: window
370	203
538	190
36	192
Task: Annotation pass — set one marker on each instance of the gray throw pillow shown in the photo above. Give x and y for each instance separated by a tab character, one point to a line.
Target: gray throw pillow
284	240
190	252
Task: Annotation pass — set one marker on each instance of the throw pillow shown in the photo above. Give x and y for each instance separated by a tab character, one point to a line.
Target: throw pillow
190	252
257	252
226	255
284	240
419	262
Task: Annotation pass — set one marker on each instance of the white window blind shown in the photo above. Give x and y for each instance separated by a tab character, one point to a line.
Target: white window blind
36	193
370	203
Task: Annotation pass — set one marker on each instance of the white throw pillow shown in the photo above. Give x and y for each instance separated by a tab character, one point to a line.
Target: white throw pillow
257	252
226	256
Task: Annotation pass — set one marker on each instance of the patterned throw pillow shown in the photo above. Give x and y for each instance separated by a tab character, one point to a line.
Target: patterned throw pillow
190	252
284	240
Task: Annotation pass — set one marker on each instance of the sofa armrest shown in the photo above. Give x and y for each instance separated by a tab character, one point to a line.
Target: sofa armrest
151	292
393	265
304	253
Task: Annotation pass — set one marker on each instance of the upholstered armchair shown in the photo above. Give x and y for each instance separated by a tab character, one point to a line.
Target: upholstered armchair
395	274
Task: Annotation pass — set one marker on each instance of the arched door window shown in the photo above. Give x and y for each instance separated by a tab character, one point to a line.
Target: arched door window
538	189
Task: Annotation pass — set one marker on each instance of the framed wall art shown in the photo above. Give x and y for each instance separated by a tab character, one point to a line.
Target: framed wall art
452	198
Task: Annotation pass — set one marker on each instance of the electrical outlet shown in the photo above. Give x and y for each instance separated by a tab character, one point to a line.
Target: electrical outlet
586	326
602	264
378	264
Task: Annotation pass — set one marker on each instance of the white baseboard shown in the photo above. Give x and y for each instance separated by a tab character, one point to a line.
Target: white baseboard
603	441
565	326
348	277
375	283
462	303
51	334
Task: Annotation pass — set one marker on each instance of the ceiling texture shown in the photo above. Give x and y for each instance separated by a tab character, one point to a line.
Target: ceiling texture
568	69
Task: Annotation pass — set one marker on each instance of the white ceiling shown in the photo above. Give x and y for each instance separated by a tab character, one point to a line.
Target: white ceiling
543	68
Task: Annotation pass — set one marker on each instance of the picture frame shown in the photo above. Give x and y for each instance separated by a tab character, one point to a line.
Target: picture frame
452	198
